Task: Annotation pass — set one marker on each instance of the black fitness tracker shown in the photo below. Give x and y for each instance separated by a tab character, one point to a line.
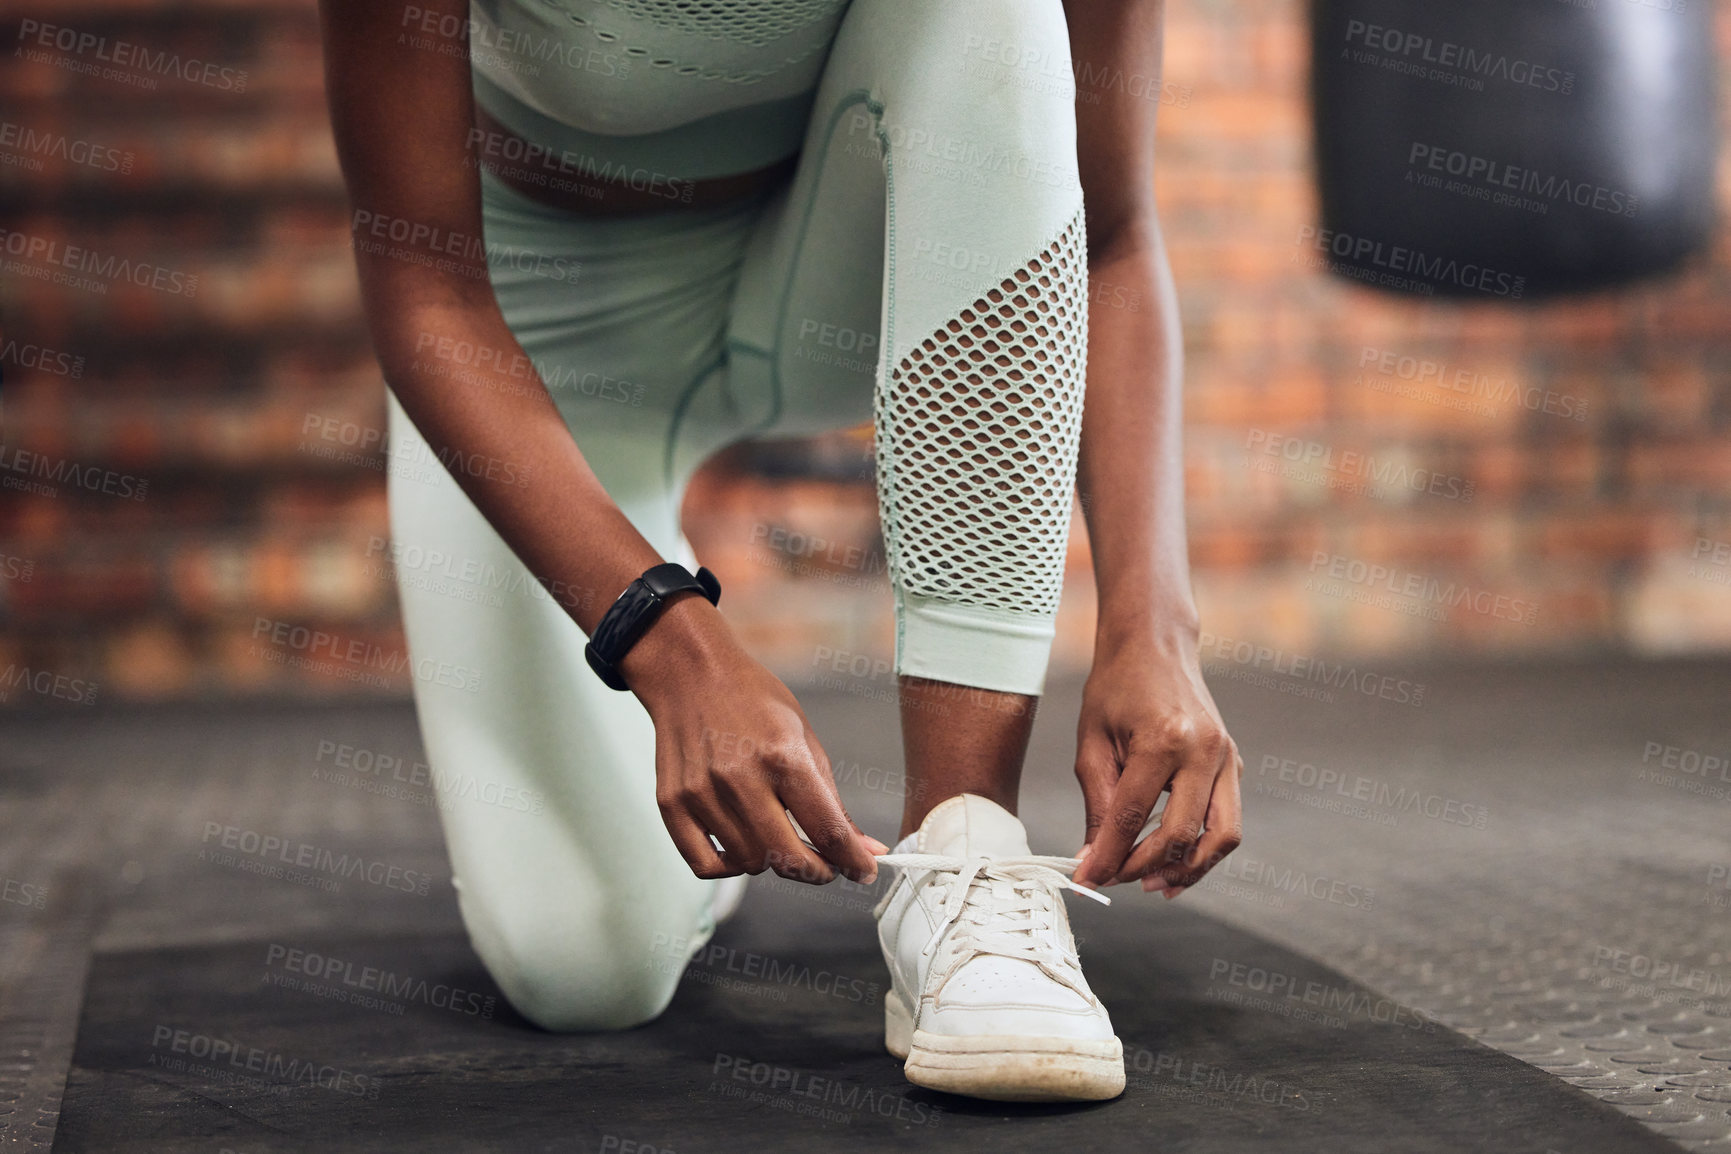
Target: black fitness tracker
636	610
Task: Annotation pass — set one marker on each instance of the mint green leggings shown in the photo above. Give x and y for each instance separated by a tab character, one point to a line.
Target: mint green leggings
925	270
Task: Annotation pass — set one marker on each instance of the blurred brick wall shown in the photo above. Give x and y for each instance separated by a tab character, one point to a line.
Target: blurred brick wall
189	457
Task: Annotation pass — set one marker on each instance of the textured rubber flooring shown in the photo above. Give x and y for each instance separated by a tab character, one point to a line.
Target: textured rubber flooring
789	1062
1525	933
1558	885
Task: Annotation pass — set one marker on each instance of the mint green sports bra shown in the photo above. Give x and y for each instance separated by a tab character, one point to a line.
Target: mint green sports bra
690	89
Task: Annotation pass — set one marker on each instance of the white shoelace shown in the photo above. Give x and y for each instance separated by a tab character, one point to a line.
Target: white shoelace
1018	891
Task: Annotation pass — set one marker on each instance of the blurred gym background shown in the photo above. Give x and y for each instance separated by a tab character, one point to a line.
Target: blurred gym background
202	452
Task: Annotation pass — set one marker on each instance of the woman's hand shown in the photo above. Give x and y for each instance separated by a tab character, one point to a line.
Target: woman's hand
734	755
1149	725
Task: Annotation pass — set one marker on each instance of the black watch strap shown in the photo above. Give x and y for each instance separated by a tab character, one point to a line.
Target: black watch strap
635	611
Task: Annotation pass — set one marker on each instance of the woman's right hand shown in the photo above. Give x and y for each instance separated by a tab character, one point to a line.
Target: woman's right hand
733	751
734	755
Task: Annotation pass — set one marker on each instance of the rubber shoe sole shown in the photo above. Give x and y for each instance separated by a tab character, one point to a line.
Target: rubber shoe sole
898	1026
1005	1068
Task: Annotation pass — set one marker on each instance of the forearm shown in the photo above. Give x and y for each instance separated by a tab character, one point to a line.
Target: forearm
403	122
491	423
1131	470
495	428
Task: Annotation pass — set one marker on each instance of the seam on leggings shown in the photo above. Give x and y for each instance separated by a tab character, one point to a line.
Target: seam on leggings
876	108
777	391
858	96
679	408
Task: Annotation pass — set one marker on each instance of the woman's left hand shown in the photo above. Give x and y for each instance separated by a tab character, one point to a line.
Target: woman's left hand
1149	725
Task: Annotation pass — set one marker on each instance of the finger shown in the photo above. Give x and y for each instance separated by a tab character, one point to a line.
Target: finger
716	802
693	843
808	792
1126	812
1097	774
783	850
789	856
738	845
751	799
1225	827
872	843
822	756
1163	852
1168	848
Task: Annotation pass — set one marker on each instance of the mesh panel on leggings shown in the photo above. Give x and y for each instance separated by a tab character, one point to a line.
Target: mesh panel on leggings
754	22
977	434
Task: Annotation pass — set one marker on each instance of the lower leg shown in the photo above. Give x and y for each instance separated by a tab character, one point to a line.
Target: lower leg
957	739
978	397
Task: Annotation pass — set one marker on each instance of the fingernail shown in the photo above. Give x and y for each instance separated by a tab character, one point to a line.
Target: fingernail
1152	884
1175	891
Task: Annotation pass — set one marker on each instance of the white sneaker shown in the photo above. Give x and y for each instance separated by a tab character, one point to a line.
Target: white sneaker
987	996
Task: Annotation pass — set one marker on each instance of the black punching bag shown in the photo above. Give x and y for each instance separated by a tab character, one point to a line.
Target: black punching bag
1508	149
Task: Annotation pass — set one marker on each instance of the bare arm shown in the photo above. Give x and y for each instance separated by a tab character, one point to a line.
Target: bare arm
402	119
1148	722
1131	468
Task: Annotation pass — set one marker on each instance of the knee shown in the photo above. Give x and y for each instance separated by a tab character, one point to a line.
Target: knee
592	973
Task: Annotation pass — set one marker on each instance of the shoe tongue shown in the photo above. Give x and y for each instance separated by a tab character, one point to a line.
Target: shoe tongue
970	826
